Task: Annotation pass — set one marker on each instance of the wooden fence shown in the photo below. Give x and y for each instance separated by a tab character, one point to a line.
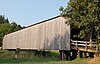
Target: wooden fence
84	46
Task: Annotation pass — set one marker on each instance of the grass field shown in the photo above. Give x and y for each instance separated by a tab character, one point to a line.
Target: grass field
27	57
41	61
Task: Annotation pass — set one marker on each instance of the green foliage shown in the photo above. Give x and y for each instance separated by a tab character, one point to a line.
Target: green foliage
3	20
6	27
15	27
85	15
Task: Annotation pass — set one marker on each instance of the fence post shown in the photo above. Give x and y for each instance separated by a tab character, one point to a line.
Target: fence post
77	44
86	46
90	43
79	54
97	49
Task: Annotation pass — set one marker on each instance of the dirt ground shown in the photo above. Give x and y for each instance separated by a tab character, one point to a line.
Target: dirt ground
95	60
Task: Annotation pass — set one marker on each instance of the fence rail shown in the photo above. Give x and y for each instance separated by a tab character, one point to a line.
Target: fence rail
0	47
84	46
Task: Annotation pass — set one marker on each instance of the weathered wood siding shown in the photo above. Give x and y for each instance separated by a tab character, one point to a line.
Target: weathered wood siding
52	34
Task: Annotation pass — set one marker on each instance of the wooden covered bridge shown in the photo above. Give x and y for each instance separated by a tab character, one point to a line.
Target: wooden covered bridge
50	34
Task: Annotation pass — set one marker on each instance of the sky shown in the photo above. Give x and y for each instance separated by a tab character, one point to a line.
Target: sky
28	12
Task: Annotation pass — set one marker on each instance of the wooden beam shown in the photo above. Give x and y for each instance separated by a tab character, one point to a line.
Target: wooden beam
61	54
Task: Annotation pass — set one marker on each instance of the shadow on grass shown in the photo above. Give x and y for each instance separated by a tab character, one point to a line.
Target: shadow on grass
38	60
28	57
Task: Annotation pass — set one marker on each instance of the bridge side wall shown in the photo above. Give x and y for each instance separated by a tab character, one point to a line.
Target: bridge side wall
53	34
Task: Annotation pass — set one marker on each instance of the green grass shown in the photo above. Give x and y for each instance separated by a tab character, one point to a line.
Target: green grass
33	61
27	57
41	61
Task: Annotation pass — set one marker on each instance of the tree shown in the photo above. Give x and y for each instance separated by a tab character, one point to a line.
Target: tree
3	20
15	27
4	30
6	27
84	15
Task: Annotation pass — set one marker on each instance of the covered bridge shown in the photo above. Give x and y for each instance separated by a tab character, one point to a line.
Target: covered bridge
50	34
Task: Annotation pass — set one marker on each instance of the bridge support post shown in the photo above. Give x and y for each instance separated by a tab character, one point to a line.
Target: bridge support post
67	53
85	54
91	54
35	52
79	54
74	54
43	53
17	51
61	54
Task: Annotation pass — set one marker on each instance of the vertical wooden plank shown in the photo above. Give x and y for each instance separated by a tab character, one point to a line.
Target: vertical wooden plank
41	36
62	35
57	33
37	34
56	43
25	39
5	42
13	43
19	38
46	35
33	37
53	33
28	38
10	45
37	37
22	38
50	35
